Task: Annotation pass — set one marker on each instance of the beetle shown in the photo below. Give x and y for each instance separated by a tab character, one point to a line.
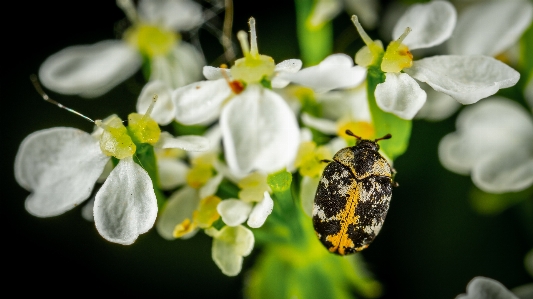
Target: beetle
353	197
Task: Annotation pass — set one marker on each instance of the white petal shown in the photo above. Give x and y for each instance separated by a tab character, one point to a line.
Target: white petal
172	173
325	126
185	142
308	188
287	66
465	78
215	73
431	23
200	101
438	106
509	171
229	248
180	206
494	125
234	211
260	212
490	27
59	166
163	112
182	66
89	70
125	206
171	14
351	104
211	186
401	95
484	288
336	71
87	210
259	130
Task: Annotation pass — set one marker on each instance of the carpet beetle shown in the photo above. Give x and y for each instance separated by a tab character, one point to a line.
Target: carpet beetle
353	197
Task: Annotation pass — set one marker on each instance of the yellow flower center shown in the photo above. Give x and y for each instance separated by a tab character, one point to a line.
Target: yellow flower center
201	171
253	187
151	40
397	57
362	129
393	60
207	213
119	141
183	228
309	159
115	140
371	53
253	67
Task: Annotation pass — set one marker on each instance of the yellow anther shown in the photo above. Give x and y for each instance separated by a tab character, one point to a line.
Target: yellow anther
142	127
115	140
397	56
201	171
183	228
151	40
309	159
207	214
253	187
253	67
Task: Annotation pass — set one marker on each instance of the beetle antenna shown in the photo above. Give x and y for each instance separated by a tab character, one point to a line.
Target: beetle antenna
388	136
348	132
40	90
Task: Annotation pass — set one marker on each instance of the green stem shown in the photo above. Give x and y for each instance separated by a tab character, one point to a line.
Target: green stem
145	157
315	43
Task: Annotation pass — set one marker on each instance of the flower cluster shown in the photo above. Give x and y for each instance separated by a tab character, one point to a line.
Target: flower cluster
246	146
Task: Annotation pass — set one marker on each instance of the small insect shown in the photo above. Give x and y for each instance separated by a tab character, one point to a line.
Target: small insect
353	197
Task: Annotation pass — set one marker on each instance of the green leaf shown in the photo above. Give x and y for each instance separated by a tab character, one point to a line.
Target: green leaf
280	181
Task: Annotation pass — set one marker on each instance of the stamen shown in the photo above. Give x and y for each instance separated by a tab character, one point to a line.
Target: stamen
405	33
368	41
253	40
243	39
150	108
394	45
129	10
45	97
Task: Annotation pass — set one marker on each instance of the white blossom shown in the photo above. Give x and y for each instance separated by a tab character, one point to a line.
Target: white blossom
92	70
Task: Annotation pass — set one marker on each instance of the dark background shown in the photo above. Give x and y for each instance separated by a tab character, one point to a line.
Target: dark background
432	244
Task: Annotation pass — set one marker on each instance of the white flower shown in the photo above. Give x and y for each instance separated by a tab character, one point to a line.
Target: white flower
254	203
488	28
61	165
230	245
200	183
235	211
337	71
486	288
259	130
467	79
92	70
493	143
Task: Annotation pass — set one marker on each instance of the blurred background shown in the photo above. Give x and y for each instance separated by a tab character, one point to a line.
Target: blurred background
432	244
